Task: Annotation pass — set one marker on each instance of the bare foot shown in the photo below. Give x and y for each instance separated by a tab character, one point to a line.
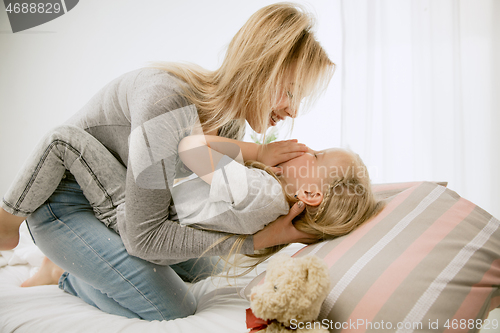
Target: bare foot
9	230
49	273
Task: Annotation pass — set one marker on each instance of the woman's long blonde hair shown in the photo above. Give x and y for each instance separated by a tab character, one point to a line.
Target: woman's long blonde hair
276	45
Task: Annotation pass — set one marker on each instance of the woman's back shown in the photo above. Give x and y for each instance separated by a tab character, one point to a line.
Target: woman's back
129	100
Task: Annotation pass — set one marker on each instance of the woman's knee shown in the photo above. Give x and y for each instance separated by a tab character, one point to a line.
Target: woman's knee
62	133
63	138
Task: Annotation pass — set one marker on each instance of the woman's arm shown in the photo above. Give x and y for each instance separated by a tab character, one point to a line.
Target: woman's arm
145	220
282	231
158	123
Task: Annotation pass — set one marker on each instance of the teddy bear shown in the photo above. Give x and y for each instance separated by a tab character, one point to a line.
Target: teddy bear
290	298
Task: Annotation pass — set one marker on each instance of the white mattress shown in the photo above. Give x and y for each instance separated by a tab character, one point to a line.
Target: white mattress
49	309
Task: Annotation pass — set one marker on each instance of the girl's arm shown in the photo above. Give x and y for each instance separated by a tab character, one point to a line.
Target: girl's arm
202	153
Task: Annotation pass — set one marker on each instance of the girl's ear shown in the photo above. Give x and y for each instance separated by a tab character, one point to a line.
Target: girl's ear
311	198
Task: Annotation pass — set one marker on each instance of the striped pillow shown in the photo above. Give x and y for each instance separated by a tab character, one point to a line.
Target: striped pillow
384	191
429	262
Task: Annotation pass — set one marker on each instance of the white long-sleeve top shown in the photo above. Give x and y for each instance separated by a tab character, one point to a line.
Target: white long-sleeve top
240	200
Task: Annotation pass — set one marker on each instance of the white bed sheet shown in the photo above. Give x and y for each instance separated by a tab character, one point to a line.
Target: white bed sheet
49	309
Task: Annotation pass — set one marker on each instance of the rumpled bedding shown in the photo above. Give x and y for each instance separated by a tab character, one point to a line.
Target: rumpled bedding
49	309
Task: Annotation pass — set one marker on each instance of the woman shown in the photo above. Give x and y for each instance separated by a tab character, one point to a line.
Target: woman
271	64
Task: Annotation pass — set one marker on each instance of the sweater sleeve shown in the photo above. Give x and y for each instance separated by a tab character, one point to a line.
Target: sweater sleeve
160	118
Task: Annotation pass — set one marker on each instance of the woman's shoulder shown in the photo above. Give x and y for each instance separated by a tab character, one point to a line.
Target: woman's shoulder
153	92
143	84
155	84
150	76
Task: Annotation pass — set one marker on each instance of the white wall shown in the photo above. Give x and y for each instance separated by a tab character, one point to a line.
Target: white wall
48	72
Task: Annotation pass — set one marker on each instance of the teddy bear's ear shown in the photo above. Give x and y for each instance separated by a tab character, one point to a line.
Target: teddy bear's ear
315	273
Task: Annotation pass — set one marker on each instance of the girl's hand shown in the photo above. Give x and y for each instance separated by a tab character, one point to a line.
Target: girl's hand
282	231
274	153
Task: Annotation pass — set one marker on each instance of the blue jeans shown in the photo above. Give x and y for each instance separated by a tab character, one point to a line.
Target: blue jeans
98	268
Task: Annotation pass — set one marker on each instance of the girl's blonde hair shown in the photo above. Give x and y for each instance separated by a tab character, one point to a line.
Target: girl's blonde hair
348	201
276	45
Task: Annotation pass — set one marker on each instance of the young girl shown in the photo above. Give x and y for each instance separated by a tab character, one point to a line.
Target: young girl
129	274
334	184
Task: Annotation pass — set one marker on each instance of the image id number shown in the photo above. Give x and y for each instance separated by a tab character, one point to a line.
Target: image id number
471	324
32	8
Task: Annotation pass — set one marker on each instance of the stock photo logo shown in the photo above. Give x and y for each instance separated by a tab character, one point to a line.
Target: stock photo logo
28	14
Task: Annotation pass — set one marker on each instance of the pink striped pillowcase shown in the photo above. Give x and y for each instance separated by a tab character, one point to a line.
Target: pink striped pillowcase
384	191
428	261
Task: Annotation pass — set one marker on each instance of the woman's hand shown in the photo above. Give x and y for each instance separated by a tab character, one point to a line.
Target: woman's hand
274	153
282	231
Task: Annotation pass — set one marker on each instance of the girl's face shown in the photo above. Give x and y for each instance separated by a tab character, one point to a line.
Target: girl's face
308	175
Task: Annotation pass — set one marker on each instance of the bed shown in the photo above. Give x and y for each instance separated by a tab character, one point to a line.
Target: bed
431	257
49	309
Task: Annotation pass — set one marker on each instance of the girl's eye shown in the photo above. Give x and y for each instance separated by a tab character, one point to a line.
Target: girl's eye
289	94
315	156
